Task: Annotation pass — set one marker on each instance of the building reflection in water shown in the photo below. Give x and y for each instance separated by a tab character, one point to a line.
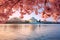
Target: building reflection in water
10	31
25	31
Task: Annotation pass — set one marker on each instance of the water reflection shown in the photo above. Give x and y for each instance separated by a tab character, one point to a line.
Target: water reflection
29	32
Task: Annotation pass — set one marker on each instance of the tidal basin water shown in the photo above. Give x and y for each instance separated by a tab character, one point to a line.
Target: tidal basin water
29	31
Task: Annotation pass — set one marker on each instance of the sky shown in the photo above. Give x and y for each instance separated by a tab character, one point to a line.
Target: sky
27	17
